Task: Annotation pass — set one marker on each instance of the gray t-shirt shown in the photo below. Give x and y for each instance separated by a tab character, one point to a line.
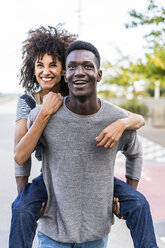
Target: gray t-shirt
79	175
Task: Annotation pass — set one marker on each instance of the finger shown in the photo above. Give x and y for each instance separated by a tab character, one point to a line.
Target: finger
60	96
115	200
103	142
113	144
108	143
118	208
100	137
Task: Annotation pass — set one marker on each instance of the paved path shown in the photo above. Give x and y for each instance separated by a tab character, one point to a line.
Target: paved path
152	178
155	134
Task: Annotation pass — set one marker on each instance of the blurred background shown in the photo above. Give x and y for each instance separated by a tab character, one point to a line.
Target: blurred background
130	36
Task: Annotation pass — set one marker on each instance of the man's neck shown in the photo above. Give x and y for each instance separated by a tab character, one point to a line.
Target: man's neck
83	106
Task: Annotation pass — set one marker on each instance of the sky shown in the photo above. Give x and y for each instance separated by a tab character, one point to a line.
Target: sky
100	22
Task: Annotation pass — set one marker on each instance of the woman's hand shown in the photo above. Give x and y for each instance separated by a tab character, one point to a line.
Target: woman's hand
52	102
111	134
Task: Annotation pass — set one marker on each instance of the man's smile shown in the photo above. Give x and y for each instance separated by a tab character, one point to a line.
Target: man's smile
80	83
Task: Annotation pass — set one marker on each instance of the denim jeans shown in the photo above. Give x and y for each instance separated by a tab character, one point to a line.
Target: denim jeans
26	211
136	211
45	242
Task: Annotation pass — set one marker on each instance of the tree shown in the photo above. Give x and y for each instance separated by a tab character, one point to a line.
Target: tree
152	71
152	68
120	76
154	16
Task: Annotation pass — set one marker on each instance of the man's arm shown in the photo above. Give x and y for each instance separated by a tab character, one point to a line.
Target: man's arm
132	149
112	133
21	181
132	182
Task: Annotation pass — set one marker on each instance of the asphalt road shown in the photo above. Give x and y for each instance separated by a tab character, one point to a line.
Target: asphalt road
119	236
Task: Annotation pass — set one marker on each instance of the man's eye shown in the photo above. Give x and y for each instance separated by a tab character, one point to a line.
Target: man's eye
88	66
71	66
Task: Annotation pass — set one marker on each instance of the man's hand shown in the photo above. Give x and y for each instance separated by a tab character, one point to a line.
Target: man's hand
52	102
116	208
42	209
132	182
111	134
21	181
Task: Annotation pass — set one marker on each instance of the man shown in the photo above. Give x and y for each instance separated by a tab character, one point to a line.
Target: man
79	175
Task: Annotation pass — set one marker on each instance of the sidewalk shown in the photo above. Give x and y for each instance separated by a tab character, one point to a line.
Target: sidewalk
156	134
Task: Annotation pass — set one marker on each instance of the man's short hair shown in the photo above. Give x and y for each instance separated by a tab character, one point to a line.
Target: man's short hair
83	45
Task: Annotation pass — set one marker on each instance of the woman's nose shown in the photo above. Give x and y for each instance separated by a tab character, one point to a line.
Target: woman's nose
46	71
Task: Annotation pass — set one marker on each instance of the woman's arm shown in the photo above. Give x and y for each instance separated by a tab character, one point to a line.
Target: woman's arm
26	145
20	131
133	121
111	134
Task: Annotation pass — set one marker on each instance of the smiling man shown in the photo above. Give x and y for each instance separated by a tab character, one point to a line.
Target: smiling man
78	174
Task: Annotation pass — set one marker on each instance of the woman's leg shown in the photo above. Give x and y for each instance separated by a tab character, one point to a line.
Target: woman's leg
25	213
136	211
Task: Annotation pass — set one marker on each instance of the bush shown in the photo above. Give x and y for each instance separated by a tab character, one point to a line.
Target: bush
136	107
106	94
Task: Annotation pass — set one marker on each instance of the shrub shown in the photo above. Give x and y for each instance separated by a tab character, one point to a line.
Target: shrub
136	107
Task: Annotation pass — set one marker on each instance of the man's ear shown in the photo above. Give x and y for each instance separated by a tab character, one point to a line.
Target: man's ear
99	75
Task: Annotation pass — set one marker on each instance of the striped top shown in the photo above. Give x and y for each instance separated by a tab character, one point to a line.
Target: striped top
25	104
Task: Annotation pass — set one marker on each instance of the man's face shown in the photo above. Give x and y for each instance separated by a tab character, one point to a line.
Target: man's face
82	73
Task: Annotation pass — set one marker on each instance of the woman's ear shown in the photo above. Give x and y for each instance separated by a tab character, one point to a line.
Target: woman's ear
65	77
99	75
63	73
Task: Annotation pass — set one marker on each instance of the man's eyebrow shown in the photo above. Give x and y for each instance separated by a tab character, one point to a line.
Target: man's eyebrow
83	62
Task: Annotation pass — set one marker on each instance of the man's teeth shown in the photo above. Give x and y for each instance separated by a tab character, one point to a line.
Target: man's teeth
46	79
80	82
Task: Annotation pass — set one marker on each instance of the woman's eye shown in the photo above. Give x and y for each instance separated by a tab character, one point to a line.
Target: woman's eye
39	65
53	65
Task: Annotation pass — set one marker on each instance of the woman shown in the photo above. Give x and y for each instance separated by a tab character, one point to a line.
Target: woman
42	78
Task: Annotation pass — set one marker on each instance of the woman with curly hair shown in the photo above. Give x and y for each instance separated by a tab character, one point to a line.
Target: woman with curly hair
42	77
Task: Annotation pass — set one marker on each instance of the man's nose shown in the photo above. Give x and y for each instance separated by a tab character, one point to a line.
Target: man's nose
79	71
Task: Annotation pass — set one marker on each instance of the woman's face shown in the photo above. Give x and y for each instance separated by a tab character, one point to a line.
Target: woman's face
48	72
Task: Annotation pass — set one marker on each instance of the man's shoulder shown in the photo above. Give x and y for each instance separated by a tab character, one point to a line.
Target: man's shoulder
35	111
113	109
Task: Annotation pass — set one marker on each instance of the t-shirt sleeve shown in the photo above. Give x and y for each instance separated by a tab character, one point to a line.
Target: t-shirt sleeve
131	147
23	109
23	170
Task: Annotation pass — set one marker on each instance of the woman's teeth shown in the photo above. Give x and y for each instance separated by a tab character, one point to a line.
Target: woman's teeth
46	79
